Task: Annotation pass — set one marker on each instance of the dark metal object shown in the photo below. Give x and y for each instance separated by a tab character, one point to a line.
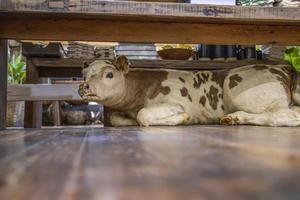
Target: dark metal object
240	53
250	53
259	55
205	52
218	52
231	52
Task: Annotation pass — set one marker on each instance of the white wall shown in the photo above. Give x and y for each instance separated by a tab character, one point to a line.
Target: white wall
220	2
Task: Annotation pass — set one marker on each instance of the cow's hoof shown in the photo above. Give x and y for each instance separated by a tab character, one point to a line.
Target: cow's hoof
229	120
186	117
142	121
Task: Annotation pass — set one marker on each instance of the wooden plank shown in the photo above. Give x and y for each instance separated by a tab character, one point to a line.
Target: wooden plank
43	92
56	113
138	31
52	50
152	11
170	64
66	67
106	116
184	162
62	72
3	82
33	110
47	150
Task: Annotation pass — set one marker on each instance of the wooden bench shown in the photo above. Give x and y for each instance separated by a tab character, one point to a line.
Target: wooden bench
65	67
43	92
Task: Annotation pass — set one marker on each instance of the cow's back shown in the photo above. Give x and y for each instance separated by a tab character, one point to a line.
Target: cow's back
251	88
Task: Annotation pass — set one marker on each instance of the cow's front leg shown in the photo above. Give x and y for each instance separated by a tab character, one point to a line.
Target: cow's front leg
162	114
122	119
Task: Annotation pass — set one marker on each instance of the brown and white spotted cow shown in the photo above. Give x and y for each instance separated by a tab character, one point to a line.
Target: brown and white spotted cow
253	94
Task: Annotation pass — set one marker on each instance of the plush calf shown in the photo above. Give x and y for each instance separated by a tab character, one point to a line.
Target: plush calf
253	94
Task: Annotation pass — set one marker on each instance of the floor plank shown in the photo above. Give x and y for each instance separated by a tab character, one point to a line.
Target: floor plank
195	162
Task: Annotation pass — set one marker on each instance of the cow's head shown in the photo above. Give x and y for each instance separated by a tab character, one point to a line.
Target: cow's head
104	80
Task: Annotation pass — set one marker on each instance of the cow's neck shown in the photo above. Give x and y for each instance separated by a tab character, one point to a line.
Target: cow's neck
140	85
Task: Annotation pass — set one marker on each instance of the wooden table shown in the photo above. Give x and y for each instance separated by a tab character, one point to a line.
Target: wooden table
195	162
113	21
67	67
121	21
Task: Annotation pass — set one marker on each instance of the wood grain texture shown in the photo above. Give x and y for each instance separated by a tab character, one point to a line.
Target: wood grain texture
148	22
33	110
65	67
194	162
151	11
125	30
56	113
43	92
3	82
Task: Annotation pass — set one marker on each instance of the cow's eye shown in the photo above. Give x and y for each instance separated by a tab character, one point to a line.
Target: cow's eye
110	75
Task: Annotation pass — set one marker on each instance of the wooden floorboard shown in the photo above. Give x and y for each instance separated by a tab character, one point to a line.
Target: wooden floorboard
195	162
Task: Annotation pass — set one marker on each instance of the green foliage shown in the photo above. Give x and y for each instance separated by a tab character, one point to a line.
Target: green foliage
292	56
16	70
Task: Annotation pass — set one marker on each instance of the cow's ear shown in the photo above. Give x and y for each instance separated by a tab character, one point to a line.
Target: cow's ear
85	65
122	64
88	62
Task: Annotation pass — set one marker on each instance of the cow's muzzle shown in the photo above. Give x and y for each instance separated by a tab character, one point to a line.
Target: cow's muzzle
86	94
83	89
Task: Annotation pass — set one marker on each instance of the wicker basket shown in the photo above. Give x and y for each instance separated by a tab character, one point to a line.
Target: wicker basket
79	50
175	54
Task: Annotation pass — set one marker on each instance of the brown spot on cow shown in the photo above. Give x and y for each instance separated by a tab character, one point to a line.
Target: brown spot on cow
234	80
182	79
190	98
213	97
205	77
198	81
260	67
219	77
222	107
165	90
283	78
184	92
202	100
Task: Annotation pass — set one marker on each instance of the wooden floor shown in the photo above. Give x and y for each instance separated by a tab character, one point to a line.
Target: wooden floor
196	162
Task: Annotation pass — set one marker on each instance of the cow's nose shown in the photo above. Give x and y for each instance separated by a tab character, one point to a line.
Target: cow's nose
84	89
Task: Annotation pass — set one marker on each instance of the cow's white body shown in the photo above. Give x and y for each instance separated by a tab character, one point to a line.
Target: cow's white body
190	103
253	94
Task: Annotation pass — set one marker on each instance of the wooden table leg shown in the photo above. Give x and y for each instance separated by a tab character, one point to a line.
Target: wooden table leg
3	82
56	113
106	116
33	110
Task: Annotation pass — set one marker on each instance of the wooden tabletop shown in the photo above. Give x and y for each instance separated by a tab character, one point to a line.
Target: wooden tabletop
122	21
66	67
195	162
